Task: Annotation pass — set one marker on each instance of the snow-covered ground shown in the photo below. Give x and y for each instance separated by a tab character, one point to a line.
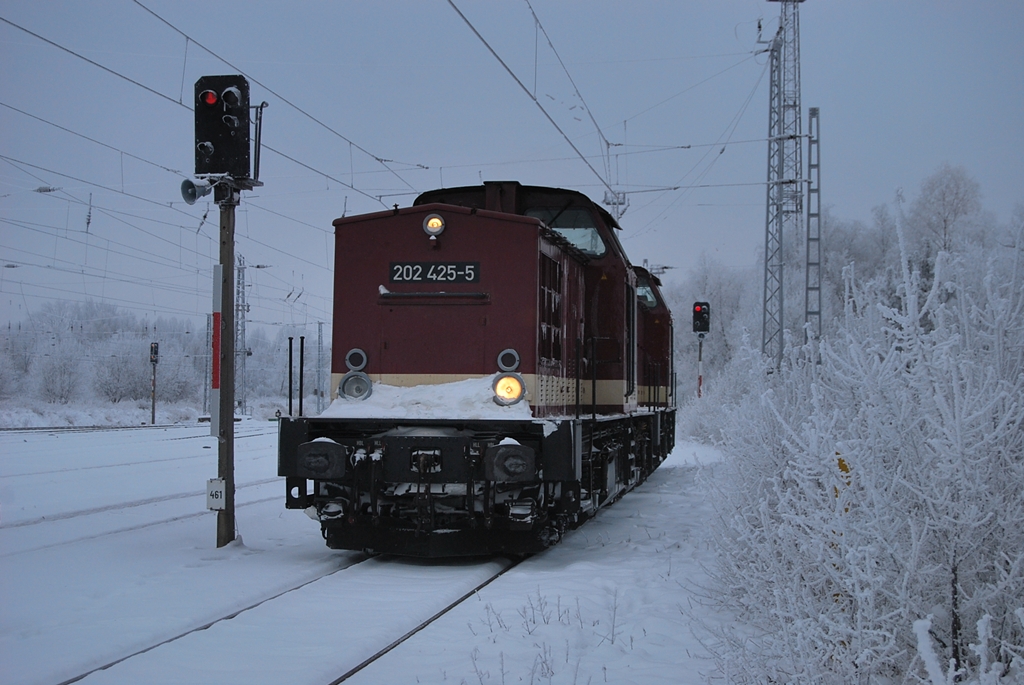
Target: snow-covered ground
106	549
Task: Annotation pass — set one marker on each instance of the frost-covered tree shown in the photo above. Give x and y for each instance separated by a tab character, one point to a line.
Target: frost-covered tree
265	365
876	482
57	318
177	377
731	294
60	372
98	322
949	199
8	377
122	370
870	250
734	300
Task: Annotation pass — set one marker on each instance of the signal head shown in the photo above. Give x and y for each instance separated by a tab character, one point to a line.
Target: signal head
222	126
701	317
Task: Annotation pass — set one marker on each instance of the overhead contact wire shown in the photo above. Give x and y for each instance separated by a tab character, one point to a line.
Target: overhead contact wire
380	160
531	96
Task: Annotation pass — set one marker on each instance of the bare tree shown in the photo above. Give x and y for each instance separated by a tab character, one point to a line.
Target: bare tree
122	370
948	198
60	372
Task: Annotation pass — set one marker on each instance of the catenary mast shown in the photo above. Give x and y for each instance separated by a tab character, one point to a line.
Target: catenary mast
785	186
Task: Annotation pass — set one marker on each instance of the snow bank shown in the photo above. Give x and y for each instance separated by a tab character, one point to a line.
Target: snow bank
29	413
468	399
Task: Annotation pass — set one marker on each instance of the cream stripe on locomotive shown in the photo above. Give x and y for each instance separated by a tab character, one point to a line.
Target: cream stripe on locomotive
541	391
653	394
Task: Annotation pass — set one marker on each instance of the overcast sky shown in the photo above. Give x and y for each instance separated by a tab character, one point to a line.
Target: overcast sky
388	99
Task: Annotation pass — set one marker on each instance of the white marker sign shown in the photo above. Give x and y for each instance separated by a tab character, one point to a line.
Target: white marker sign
215	494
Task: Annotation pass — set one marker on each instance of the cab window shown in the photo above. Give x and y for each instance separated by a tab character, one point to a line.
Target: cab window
575	224
645	294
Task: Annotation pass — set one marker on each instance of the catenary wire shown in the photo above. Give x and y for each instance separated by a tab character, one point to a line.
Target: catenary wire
531	96
378	159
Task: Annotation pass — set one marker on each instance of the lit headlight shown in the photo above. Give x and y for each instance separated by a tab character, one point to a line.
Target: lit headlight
508	388
433	225
355	385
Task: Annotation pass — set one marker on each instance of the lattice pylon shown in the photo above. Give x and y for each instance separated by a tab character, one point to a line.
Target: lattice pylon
785	187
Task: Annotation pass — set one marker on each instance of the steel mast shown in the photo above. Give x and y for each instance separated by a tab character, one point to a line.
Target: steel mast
812	286
784	212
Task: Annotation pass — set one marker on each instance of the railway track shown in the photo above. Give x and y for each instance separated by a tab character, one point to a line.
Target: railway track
134	527
76	466
124	505
204	626
94	429
406	598
78	429
444	610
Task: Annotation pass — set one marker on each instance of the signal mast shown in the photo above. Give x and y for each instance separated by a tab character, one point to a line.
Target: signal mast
222	167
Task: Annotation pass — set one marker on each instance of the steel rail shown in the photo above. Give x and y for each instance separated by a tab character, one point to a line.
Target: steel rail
351	672
226	617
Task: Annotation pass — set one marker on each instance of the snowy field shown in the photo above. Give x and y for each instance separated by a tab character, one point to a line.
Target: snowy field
106	549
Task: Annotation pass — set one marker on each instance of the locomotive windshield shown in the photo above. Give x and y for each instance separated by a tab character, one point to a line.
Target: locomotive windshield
645	294
575	224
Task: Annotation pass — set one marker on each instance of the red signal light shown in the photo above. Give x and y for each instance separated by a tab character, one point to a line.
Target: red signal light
696	308
208	98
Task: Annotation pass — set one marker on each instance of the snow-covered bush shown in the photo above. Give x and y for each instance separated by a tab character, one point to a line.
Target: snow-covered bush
59	372
988	672
122	370
878	480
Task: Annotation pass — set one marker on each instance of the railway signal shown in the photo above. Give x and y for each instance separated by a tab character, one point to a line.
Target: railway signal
701	317
701	326
222	125
154	357
222	161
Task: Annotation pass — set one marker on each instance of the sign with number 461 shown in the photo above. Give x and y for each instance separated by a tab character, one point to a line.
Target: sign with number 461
215	494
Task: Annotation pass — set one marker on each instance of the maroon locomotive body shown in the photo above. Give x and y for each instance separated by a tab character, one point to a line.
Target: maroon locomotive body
500	372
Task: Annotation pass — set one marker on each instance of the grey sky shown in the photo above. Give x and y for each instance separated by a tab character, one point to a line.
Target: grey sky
902	88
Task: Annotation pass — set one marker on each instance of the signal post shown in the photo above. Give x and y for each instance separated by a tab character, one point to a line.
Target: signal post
225	425
222	167
701	326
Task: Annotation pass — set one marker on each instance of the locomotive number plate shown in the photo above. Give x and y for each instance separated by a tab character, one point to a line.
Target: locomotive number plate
434	272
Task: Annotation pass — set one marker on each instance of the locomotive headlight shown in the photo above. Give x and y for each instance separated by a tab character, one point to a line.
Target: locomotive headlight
508	389
507	463
508	360
515	465
433	225
355	385
355	360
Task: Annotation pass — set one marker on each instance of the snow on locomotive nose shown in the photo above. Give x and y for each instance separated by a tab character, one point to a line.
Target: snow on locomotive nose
499	373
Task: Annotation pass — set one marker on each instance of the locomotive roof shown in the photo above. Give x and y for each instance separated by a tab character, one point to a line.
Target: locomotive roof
510	197
641	271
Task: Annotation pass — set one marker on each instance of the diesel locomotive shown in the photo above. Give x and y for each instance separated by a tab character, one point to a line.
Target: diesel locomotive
500	372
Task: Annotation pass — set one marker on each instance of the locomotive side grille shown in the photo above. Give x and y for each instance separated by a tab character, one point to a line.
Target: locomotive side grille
550	306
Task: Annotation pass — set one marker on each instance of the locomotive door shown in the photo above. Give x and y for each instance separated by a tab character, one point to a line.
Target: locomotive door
429	343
